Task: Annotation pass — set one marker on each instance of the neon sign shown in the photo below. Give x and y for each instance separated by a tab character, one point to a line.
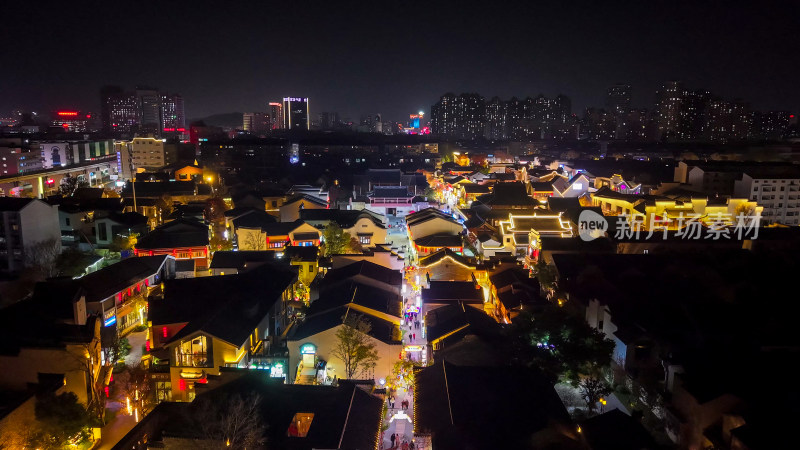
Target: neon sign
308	349
294	99
67	113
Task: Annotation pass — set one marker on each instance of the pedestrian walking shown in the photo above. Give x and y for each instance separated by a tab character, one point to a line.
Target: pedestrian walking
405	445
391	402
411	445
392	438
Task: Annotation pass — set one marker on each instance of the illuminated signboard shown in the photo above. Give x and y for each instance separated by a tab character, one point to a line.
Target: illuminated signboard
308	349
294	99
67	113
413	348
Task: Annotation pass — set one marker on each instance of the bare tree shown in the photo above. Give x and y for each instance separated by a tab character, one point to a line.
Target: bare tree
592	389
355	347
135	383
253	241
42	256
234	423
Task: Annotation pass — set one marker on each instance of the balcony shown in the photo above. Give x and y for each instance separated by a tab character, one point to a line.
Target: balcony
196	359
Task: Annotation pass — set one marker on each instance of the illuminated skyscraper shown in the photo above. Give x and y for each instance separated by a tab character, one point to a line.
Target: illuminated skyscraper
668	109
295	116
276	115
173	119
256	123
71	120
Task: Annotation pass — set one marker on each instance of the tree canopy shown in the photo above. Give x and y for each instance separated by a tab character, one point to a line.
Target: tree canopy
337	240
563	346
61	419
69	185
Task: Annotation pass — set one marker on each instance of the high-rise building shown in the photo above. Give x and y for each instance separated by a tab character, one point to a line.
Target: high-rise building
276	115
295	115
173	118
71	120
496	118
257	123
618	99
727	121
668	110
149	104
123	113
771	125
328	120
108	94
692	115
462	116
145	112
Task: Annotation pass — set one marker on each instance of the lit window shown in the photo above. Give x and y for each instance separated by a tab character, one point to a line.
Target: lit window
301	422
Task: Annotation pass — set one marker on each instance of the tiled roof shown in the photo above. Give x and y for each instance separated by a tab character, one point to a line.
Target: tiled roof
361	294
439	240
225	259
345	416
223	306
472	407
382	330
366	269
254	219
466	291
390	192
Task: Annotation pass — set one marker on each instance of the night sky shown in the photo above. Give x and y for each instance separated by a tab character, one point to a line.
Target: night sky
393	58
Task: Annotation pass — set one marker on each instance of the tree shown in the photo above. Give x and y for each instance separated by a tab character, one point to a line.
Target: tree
42	256
164	206
403	374
592	388
72	262
135	384
337	240
118	349
215	210
561	345
354	346
234	422
122	243
218	242
253	240
61	419
69	185
546	274
354	245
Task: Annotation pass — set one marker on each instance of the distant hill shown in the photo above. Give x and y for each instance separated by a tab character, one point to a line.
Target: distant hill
233	120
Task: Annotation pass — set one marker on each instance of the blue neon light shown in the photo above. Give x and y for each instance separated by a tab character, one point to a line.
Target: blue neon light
110	321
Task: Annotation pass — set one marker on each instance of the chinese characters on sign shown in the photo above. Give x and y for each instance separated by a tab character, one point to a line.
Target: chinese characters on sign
691	226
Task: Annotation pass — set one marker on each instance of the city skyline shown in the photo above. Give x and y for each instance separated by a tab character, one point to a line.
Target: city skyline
458	50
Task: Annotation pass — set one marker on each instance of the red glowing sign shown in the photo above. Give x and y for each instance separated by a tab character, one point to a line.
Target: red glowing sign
182	385
67	113
50	181
164	331
106	390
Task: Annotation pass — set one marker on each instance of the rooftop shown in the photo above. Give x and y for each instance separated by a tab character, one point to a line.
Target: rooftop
223	306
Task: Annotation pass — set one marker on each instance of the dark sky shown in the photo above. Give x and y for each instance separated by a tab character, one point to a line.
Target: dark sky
393	57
